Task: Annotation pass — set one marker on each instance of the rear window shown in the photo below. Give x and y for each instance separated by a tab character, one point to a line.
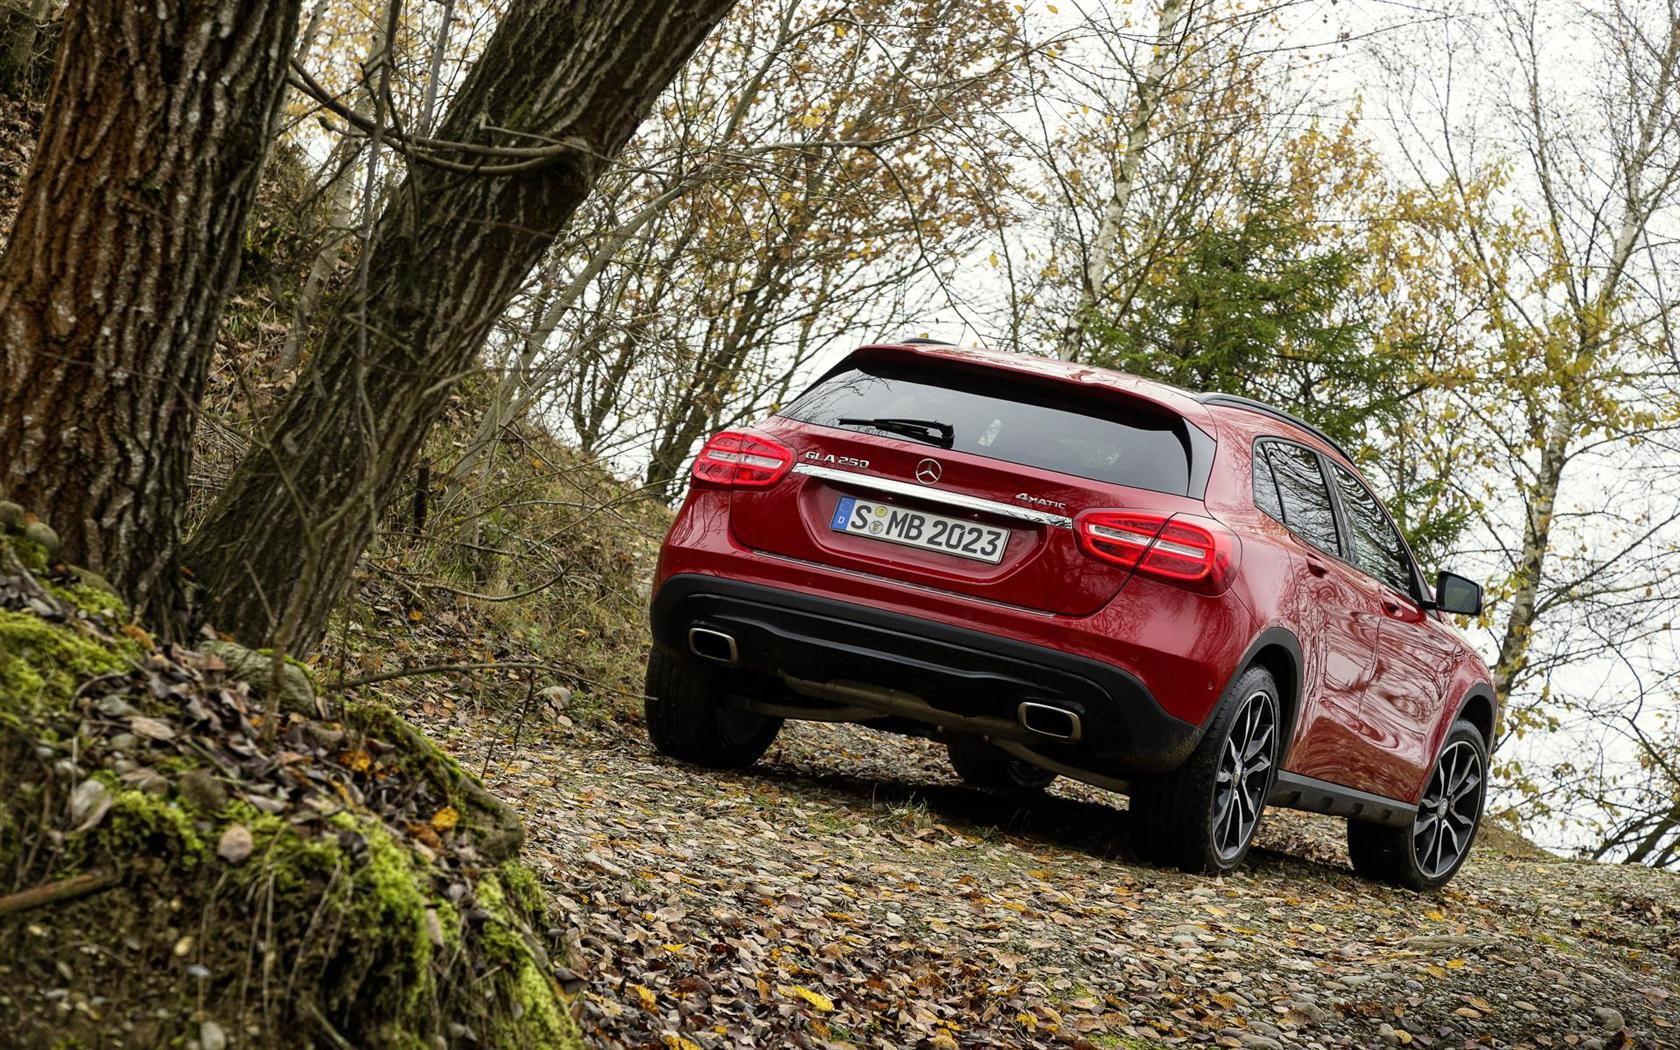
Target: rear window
1011	420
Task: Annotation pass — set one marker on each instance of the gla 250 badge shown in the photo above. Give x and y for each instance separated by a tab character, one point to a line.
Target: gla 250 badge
839	461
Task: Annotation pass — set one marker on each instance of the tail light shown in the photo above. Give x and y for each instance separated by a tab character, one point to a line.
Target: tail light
736	459
1197	553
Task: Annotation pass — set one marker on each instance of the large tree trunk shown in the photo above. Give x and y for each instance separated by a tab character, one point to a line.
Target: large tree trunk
124	250
447	256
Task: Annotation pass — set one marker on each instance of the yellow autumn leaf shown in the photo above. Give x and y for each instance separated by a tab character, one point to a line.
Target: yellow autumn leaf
445	819
943	1041
1434	916
677	1042
1027	1021
415	615
816	999
1455	964
357	761
645	994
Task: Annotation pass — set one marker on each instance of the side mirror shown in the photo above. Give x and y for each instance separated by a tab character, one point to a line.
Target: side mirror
1455	594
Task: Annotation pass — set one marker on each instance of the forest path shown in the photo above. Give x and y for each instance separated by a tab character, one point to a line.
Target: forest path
849	891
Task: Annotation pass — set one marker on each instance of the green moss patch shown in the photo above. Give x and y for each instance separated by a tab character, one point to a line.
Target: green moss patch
300	884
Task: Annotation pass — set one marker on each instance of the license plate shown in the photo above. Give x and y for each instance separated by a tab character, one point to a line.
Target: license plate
915	528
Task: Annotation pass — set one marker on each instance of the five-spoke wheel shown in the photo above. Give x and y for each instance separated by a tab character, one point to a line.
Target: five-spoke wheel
1202	816
1427	852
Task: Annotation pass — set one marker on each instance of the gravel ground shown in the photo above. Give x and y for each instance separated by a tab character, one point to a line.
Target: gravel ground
849	891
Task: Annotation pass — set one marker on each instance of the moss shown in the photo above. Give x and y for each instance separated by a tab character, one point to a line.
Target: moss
41	664
343	914
510	895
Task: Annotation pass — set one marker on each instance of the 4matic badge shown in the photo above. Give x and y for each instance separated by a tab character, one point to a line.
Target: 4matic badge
1040	501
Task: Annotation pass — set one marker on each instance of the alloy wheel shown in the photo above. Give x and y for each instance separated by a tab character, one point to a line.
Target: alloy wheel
1446	818
1245	774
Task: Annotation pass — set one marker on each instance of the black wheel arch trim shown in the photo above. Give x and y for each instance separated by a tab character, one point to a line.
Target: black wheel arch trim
1483	691
1283	638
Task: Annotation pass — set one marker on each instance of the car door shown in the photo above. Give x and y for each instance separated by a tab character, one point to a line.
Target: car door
1336	619
1401	706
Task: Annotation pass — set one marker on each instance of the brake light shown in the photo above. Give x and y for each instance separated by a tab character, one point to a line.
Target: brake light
737	460
1196	553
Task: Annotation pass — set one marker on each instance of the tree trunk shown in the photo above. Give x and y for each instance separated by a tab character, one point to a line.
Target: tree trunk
446	257
1170	34
1531	566
124	250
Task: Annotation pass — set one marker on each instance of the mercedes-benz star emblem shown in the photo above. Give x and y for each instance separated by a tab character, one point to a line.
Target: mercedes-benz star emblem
928	471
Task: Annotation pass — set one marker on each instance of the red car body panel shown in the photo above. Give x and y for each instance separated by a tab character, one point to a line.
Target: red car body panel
1379	679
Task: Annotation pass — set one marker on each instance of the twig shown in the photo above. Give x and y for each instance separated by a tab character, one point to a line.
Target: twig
56	892
414	672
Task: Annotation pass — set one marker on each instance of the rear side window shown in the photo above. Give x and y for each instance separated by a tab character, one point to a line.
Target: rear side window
1265	485
1377	548
1009	419
1303	495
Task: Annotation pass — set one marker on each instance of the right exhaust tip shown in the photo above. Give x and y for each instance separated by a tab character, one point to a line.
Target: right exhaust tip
1048	720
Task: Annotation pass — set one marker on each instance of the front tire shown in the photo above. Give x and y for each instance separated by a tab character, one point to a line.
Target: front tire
986	766
687	720
1426	853
1202	816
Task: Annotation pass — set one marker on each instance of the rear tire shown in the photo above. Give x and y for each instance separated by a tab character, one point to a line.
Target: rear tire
1427	852
983	765
686	719
1201	817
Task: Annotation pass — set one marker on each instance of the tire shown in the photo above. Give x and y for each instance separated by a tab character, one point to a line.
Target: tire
985	766
1185	819
686	721
1427	853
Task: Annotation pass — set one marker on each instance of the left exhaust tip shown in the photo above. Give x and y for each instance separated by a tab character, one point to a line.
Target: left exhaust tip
716	646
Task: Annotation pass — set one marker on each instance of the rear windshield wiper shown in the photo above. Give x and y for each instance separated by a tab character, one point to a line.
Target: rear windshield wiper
930	430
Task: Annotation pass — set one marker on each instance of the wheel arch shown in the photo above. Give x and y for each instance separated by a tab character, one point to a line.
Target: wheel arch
1279	652
1480	708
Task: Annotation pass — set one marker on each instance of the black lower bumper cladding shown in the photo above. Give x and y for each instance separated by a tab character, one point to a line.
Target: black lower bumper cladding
783	636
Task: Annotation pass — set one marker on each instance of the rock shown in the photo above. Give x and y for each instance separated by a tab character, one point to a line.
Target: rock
89	803
11	516
297	694
1525	1006
114	707
1254	1041
235	844
202	790
211	1036
41	534
1387	1033
1609	1017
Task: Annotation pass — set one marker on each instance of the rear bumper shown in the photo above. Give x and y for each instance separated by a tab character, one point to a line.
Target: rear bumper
948	674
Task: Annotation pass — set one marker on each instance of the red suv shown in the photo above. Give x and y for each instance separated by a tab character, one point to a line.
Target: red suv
1058	569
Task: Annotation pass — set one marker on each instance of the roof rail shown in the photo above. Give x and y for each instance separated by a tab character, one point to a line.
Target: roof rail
1238	401
919	341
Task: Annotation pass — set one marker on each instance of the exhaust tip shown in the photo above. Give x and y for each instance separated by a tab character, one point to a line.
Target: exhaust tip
1046	720
715	646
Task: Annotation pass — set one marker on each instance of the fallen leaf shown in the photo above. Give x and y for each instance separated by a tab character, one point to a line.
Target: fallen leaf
150	728
445	819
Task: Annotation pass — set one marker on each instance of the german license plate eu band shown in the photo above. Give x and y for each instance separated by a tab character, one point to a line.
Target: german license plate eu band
916	528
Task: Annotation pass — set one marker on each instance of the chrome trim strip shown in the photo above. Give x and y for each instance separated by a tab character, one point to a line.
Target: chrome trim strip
934	495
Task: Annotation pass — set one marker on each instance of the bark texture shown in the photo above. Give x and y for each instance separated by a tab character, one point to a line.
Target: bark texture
125	247
446	257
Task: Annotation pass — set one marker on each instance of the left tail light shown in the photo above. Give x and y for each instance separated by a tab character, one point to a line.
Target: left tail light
736	459
1192	552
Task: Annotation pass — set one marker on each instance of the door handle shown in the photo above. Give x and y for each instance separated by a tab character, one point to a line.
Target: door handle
1317	568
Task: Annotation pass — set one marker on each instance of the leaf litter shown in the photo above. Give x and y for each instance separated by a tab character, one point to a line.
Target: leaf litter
849	892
